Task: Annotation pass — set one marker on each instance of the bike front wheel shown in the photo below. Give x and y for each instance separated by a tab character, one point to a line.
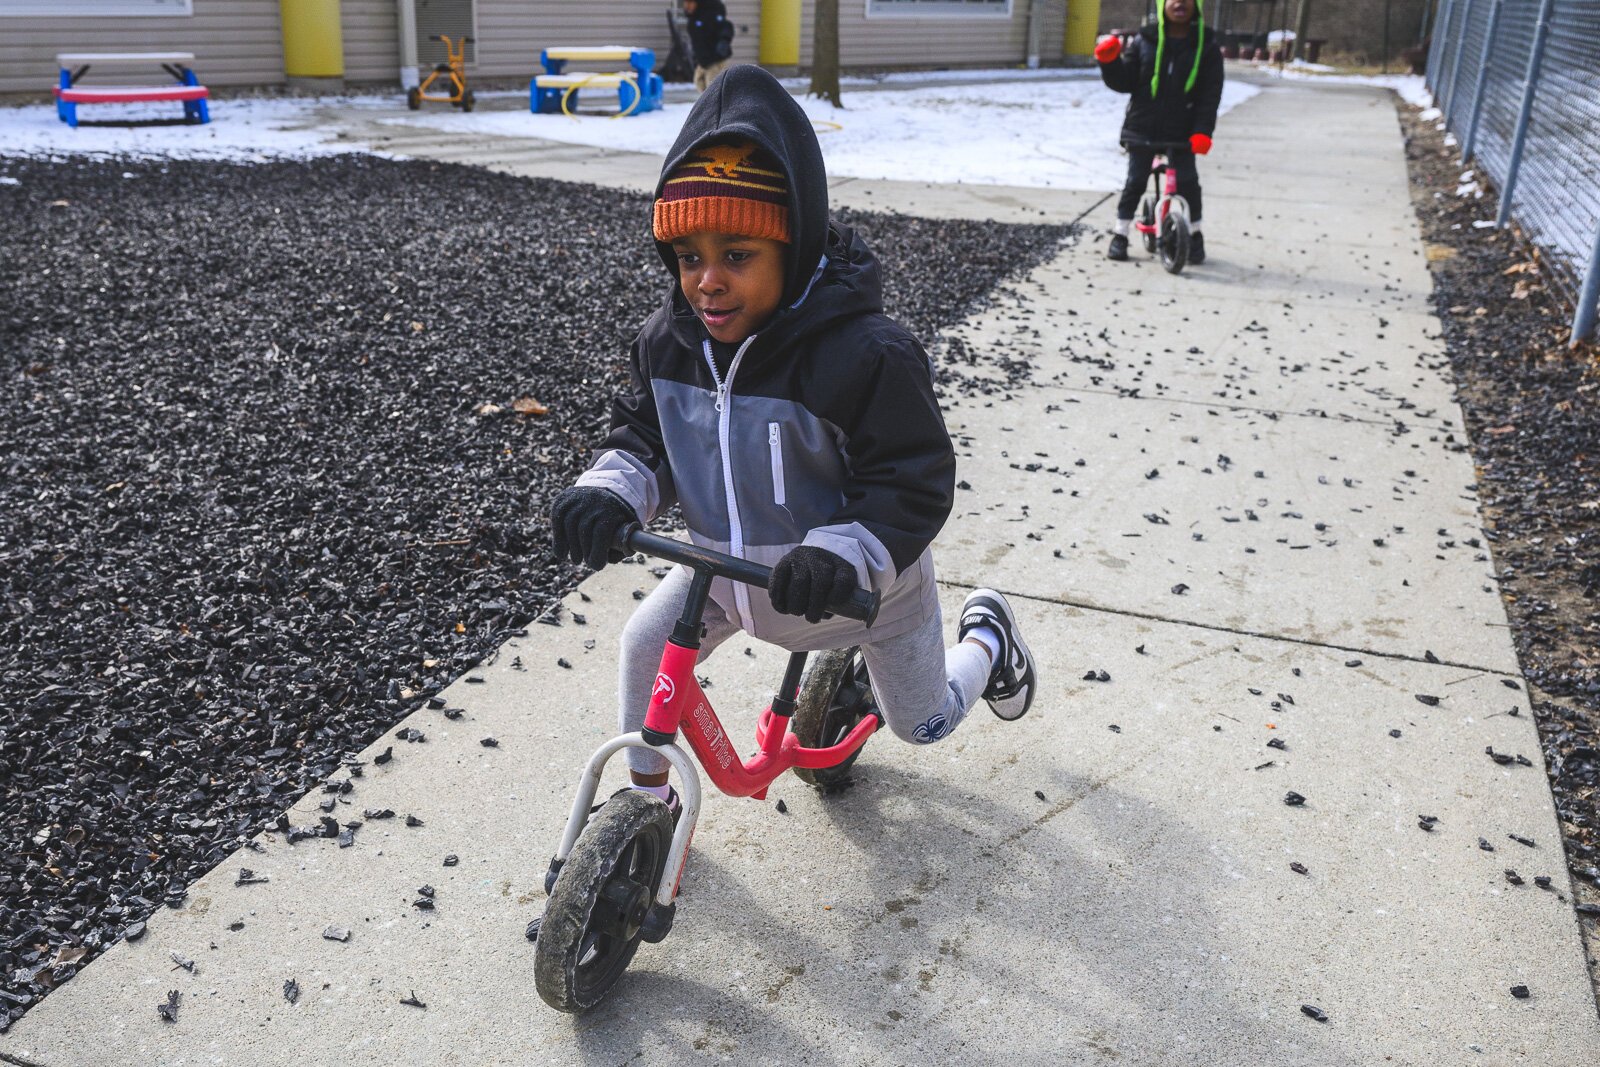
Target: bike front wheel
1174	241
835	695
597	907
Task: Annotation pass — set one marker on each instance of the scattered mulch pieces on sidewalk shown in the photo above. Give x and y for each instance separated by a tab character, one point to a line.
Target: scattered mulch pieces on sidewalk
277	447
1532	413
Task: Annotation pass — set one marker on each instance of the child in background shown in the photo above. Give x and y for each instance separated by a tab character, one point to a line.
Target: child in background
1173	75
795	425
711	33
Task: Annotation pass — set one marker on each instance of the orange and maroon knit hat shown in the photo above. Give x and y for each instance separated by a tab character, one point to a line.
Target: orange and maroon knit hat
733	187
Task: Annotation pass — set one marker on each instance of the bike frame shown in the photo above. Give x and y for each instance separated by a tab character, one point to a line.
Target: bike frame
1167	181
678	703
455	68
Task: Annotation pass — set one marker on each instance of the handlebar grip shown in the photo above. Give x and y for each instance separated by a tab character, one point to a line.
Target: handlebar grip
434	37
862	606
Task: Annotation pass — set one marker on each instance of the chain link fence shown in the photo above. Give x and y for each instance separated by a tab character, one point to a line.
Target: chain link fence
1518	83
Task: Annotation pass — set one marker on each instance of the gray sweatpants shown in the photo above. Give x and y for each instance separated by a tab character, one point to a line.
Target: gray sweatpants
923	689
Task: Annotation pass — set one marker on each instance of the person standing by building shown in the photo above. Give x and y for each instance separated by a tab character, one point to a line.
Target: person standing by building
711	33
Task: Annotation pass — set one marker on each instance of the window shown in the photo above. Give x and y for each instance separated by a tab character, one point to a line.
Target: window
996	9
95	8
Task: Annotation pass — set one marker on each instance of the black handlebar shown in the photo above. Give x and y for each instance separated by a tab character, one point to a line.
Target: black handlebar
862	604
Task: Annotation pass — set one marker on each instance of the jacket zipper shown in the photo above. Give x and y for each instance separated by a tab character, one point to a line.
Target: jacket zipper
741	592
775	446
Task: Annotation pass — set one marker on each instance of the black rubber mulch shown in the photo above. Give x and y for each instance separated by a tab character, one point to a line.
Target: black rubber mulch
266	484
1532	408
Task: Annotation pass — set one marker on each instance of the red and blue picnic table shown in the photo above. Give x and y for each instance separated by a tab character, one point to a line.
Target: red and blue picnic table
185	88
638	88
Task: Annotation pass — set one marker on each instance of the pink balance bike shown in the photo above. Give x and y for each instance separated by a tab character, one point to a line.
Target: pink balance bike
1163	219
615	875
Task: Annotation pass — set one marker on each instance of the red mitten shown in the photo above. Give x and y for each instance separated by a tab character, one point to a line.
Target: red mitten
1199	143
1108	48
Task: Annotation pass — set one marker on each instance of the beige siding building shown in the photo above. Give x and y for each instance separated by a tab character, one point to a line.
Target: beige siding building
242	42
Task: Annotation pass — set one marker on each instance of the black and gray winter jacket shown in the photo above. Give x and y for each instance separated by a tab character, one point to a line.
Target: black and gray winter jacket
822	430
711	33
1172	113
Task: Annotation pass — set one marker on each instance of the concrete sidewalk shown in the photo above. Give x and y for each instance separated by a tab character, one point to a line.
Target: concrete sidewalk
1240	492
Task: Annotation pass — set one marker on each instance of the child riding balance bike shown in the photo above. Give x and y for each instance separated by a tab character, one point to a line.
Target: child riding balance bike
1173	76
796	427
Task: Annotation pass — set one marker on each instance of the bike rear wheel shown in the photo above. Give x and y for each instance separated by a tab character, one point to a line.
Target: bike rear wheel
1147	218
595	914
835	695
1175	241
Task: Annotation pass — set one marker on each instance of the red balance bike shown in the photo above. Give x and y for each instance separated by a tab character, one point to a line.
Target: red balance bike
615	875
1163	219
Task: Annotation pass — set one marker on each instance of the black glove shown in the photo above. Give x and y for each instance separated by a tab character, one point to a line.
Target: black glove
807	580
584	521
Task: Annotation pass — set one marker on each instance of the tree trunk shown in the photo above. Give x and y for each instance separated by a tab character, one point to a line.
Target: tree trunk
825	52
1302	23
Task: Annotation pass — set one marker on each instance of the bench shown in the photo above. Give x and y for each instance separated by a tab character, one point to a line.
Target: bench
186	87
639	88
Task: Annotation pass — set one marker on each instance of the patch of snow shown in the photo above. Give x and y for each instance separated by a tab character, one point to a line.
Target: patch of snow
1051	132
1037	128
240	129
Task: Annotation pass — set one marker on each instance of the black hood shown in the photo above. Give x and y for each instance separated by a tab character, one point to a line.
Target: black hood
747	103
709	9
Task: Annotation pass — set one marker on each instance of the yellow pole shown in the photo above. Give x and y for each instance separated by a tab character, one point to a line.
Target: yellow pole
1083	24
313	44
780	33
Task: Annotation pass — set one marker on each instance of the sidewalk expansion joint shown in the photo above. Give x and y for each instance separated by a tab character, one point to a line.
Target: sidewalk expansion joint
1150	616
1316	413
1085	212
